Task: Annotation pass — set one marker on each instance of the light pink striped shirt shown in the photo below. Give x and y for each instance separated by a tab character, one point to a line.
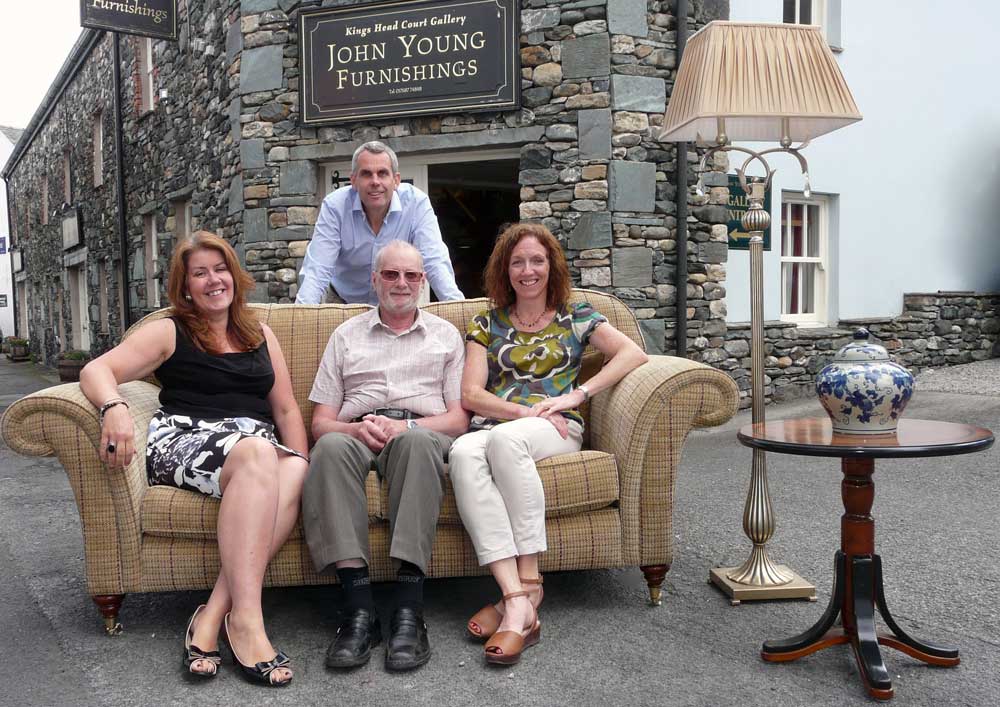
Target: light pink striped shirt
367	365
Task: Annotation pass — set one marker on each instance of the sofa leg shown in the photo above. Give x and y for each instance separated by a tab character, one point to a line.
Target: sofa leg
655	574
109	604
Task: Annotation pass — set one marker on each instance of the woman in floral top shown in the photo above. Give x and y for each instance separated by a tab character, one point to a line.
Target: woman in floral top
523	358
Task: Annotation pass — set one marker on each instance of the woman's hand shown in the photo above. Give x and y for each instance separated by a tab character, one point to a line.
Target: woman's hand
559	403
117	444
559	422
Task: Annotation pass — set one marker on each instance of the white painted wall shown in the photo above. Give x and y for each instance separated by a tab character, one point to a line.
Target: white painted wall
919	178
6	282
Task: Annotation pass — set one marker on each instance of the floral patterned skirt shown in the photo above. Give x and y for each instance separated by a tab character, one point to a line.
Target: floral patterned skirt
188	452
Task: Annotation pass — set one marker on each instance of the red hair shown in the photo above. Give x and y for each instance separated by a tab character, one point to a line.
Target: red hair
243	327
496	278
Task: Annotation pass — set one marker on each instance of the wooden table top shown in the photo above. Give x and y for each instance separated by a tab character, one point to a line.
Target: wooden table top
814	436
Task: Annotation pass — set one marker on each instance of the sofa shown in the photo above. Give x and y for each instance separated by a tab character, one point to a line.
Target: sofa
609	505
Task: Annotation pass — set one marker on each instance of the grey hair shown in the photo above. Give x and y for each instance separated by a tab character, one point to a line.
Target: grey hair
376	148
400	246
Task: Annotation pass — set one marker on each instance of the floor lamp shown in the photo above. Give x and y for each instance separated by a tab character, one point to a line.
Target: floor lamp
757	83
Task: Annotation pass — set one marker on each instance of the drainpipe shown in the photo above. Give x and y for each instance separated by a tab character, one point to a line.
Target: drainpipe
681	13
120	182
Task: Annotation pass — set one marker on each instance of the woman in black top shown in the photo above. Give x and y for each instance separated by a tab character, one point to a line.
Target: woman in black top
225	391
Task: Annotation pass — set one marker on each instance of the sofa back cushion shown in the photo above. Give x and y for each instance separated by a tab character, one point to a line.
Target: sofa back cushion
303	331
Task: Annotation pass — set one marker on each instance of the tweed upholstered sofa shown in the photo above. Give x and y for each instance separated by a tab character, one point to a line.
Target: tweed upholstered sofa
609	505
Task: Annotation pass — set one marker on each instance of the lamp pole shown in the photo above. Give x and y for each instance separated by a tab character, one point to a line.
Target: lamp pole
758	577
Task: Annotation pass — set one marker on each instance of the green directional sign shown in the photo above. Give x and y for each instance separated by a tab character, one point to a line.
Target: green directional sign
738	205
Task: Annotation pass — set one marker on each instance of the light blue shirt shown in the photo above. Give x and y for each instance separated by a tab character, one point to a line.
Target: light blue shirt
343	247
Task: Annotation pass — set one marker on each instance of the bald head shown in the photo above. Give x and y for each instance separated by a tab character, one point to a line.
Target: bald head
399	248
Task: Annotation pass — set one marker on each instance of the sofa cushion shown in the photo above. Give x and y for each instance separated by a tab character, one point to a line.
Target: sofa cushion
573	483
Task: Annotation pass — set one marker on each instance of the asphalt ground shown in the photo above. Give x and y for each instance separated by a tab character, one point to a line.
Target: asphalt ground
601	644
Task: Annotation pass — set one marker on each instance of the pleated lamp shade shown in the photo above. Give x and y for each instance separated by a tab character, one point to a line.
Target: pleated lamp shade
754	76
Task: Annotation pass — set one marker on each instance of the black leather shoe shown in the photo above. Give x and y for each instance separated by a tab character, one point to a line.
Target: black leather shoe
359	632
408	646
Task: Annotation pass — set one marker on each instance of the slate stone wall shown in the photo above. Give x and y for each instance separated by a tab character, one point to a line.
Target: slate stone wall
934	329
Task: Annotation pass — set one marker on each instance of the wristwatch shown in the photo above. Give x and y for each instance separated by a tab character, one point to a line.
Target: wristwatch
411	424
586	392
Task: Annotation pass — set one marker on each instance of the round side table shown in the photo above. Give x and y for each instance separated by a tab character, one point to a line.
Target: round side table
857	585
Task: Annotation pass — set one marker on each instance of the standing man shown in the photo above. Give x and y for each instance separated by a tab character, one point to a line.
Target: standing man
388	394
356	222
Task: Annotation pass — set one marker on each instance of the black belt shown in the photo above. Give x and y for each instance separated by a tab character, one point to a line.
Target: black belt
391	413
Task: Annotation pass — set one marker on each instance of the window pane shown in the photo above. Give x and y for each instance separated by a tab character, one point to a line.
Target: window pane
805	12
791	230
798	288
812	237
788	12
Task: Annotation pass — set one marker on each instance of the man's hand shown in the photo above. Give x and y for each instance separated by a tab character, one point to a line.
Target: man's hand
376	431
370	434
388	427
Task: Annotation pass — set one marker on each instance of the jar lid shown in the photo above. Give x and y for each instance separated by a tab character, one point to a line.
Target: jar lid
861	349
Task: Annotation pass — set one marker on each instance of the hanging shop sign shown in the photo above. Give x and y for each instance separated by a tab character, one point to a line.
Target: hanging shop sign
146	18
738	205
411	57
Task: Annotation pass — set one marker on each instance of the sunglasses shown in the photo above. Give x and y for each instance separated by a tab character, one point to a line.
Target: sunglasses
408	275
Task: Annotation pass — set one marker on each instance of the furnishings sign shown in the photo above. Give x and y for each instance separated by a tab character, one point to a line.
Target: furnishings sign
738	205
147	18
408	58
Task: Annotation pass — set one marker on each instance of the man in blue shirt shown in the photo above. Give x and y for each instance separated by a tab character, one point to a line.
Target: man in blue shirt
356	222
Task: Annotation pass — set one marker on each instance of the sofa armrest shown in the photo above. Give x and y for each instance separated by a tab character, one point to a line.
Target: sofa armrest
643	421
61	422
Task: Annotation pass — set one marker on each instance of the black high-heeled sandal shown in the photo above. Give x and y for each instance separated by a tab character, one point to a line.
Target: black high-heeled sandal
193	653
263	672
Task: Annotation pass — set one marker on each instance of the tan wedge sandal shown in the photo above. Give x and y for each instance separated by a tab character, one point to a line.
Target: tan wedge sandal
505	647
485	622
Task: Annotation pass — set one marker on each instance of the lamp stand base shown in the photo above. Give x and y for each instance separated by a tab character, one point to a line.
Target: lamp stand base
798	588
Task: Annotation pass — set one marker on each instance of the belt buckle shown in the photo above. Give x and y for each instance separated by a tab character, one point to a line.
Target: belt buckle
392	413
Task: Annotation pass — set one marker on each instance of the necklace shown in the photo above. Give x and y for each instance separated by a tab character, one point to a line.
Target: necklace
531	324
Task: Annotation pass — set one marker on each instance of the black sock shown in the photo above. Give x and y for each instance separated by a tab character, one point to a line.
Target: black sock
410	586
357	588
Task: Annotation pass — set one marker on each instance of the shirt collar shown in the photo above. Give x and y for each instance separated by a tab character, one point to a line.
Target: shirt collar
395	205
419	323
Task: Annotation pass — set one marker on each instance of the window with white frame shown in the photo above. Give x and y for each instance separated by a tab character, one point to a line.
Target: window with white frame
152	254
98	148
103	286
804	258
825	13
145	74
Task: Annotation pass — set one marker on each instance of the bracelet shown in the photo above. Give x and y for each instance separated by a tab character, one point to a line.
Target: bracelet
586	392
108	405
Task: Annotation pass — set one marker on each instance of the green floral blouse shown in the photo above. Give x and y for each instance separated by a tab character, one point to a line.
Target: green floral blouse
528	367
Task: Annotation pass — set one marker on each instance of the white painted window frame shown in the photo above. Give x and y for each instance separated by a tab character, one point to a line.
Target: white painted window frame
821	283
146	74
828	15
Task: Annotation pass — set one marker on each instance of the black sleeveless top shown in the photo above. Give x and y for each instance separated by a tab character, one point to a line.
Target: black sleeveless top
214	386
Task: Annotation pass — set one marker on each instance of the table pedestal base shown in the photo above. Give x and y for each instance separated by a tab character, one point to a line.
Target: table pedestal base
798	588
857	591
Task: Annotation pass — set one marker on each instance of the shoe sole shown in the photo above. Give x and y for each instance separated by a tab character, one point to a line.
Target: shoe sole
409	665
341	663
530	640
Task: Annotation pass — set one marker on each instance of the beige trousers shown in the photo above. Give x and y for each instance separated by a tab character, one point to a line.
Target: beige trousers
497	487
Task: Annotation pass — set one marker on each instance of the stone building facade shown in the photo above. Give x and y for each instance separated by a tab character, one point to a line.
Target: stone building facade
212	140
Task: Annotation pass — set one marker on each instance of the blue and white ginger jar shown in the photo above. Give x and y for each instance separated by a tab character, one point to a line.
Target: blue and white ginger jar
863	391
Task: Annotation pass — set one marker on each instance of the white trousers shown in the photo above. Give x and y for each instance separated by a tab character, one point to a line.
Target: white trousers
497	487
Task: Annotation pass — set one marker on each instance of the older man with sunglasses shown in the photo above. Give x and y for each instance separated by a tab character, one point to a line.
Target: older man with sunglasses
388	397
357	221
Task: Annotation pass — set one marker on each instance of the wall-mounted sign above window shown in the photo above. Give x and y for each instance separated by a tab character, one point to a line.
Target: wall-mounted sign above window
147	18
738	205
410	57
